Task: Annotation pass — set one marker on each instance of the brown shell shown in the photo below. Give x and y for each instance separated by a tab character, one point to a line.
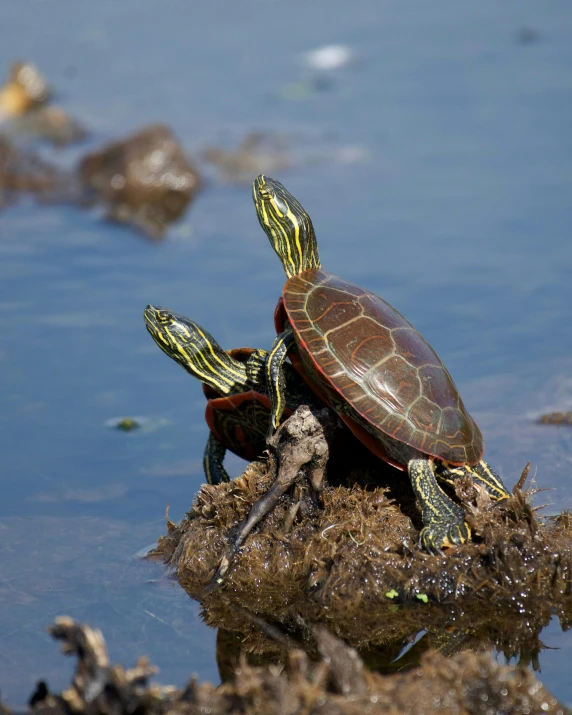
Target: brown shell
366	352
240	422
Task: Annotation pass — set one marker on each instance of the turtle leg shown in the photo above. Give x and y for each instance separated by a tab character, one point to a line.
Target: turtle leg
213	461
482	474
275	377
444	520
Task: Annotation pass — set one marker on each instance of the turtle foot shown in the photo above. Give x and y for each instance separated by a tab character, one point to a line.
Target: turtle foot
441	535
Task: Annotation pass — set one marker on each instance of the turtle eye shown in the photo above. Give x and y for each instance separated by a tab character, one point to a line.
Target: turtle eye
265	192
164	317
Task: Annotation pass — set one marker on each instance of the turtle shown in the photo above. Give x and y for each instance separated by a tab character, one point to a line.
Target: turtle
234	383
369	364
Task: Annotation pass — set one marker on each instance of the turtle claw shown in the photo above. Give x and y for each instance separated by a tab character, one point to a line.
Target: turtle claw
441	535
271	431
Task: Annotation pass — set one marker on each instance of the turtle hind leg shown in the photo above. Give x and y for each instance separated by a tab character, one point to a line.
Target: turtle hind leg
443	519
482	474
213	461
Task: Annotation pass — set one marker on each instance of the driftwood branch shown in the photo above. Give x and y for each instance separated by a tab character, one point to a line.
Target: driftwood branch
298	449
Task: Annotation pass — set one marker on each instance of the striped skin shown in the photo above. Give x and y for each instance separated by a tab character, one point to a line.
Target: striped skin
195	350
287	225
445	522
361	351
481	473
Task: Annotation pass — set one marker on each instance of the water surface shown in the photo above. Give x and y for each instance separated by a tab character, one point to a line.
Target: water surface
459	215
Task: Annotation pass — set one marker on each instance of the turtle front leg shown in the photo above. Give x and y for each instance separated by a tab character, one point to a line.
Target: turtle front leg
275	377
444	520
213	461
482	474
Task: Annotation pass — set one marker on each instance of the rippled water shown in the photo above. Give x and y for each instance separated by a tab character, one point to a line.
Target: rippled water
458	213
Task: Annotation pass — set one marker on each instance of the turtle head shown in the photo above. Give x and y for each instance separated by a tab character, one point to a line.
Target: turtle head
194	349
287	225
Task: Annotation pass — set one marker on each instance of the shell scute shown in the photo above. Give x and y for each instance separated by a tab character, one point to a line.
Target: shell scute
371	305
330	308
417	352
432	378
428	415
354	343
395	383
397	426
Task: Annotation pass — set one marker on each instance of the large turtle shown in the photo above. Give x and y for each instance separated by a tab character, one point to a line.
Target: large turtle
368	363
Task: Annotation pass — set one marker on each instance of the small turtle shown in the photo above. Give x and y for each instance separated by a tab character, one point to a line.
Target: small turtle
368	363
234	383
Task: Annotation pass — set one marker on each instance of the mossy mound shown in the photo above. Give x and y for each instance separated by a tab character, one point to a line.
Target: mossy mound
355	565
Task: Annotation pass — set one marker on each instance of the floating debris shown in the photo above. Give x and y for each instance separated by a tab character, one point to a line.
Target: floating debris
257	153
329	57
331	679
24	110
24	90
144	180
130	424
127	424
555	418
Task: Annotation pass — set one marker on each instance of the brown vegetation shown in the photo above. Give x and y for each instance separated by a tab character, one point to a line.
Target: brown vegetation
354	566
336	683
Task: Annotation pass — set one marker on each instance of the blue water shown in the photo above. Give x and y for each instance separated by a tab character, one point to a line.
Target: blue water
459	214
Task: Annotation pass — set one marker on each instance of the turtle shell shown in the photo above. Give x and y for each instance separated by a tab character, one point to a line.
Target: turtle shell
240	422
367	362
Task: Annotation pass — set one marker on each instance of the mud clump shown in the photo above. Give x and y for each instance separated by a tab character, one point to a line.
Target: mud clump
145	180
354	564
336	683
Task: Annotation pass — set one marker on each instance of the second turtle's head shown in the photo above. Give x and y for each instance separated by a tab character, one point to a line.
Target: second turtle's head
176	335
192	347
287	225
